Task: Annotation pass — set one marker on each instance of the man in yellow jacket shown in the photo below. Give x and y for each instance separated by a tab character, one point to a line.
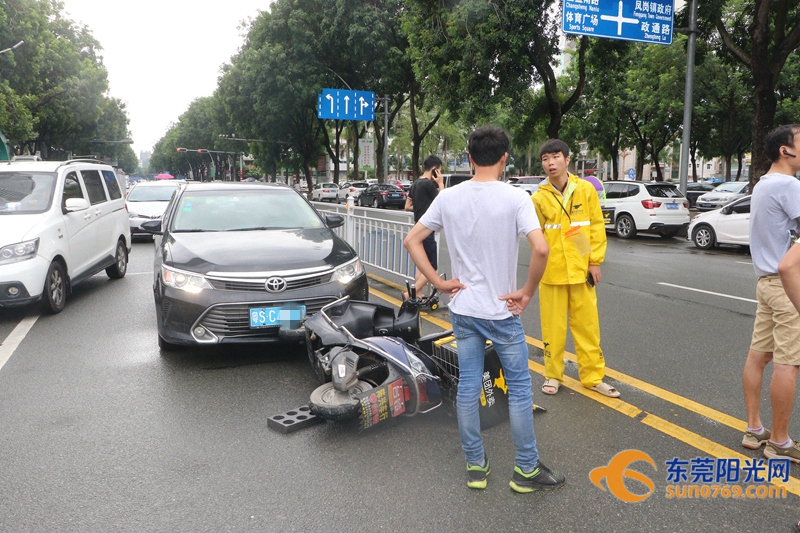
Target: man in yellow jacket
572	220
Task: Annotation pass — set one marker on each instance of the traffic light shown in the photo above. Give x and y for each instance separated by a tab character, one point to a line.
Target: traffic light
181	149
201	151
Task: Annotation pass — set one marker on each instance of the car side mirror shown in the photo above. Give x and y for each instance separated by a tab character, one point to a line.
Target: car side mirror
152	226
76	204
726	210
334	221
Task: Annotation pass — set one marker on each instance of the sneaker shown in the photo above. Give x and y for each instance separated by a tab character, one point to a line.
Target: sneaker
476	474
542	478
792	452
754	441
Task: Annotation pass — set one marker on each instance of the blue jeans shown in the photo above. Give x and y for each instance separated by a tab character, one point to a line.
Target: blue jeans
509	341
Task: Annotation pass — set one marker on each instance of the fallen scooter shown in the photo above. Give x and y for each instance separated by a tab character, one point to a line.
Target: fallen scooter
374	364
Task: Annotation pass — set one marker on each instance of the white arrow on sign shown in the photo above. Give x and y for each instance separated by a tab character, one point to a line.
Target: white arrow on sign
364	104
346	104
330	97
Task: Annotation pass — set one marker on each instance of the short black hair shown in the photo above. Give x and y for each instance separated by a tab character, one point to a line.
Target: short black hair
553	146
430	162
780	136
487	145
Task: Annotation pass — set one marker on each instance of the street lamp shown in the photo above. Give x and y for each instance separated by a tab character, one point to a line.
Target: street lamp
13	47
584	147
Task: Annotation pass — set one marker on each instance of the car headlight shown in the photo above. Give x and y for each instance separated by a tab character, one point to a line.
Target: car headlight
20	251
348	272
185	281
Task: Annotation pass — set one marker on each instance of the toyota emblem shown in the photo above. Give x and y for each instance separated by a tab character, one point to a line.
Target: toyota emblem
275	284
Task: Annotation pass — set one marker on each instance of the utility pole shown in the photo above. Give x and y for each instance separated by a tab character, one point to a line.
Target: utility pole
688	99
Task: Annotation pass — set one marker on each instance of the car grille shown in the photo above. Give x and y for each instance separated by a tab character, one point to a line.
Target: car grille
233	320
257	285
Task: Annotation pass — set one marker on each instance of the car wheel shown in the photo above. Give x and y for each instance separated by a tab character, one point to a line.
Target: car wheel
360	202
330	404
120	266
375	203
703	237
625	227
55	289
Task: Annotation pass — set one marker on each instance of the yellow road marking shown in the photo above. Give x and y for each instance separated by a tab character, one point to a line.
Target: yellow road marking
683	435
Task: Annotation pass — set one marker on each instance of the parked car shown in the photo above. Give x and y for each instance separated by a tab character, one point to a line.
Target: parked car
406	185
382	195
147	200
61	222
649	207
246	263
696	189
451	180
727	225
351	189
723	194
325	191
527	183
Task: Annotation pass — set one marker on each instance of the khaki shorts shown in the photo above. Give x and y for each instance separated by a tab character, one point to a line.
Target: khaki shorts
777	324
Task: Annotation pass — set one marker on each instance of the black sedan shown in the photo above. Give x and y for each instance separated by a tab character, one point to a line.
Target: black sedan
382	195
696	189
246	262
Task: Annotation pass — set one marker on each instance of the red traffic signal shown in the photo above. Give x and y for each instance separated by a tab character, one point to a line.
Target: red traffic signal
201	151
181	149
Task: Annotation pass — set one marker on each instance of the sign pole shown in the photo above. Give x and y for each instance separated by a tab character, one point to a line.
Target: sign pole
385	137
688	97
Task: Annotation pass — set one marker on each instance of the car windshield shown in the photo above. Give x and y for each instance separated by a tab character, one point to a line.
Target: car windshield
664	191
329	186
393	188
155	193
359	185
730	186
25	193
243	210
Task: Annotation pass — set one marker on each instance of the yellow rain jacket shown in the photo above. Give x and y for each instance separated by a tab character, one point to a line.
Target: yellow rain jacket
573	226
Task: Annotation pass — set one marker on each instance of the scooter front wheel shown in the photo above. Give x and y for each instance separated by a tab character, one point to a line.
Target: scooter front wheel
331	404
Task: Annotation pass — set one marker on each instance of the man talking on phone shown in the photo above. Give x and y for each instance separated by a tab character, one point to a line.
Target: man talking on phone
420	197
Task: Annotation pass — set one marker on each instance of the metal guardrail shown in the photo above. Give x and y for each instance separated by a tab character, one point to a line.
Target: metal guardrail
376	235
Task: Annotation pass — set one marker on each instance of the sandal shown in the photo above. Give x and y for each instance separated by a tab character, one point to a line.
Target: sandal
553	384
606	390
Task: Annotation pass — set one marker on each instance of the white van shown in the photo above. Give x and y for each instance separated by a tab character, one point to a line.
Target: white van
61	222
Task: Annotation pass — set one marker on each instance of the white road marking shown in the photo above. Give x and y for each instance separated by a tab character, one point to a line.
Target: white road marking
9	345
709	292
745	262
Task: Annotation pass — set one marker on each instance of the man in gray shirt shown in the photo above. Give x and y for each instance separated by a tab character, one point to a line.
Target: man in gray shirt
774	213
483	219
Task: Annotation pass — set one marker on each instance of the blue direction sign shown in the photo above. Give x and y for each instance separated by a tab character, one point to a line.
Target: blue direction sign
344	104
646	21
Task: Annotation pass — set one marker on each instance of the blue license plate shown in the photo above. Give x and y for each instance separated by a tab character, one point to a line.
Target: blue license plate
672	206
395	195
285	317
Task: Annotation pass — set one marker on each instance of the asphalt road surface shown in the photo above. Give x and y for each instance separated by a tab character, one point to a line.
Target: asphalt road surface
102	433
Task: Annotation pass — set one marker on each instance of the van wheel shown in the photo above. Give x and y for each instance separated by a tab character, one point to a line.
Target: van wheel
625	227
55	289
120	266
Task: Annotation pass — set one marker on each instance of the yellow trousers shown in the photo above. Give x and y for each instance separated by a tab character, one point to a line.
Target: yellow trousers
578	303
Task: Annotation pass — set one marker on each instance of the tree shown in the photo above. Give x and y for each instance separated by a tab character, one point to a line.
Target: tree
761	34
474	54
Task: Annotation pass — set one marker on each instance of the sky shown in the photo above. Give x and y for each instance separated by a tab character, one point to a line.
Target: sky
162	55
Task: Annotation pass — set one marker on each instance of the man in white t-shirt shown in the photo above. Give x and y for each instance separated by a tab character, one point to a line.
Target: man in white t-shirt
483	219
774	214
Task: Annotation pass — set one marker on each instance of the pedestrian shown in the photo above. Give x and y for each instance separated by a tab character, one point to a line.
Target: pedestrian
774	214
419	199
483	218
569	211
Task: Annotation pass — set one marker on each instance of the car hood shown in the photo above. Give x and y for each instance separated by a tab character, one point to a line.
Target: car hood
712	196
149	209
14	228
256	251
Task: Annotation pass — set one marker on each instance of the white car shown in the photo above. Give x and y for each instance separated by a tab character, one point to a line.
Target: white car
649	207
147	200
723	194
352	190
527	183
325	191
61	222
727	225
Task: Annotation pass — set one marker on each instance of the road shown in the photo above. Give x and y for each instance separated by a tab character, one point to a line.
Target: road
102	433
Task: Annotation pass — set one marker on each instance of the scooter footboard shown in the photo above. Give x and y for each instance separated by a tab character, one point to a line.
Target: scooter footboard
494	394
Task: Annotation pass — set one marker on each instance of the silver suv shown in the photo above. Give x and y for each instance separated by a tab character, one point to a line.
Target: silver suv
61	222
